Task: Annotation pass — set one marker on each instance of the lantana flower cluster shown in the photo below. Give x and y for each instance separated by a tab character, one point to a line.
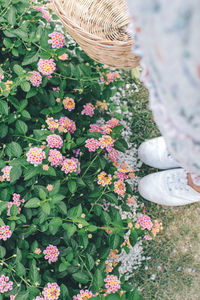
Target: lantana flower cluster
88	109
54	141
55	157
6	173
71	165
5	232
112	260
109	77
120	187
64	124
112	284
51	253
69	104
145	222
35	79
5	284
17	201
84	295
103	142
57	40
46	66
35	156
103	179
51	292
46	15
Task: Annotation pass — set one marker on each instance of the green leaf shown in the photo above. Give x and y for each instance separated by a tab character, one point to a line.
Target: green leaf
119	146
21	127
92	228
15	173
29	59
111	198
81	277
98	279
20	270
7	43
12	16
3	107
70	228
22	295
3	206
25	86
89	261
18	70
34	274
13	150
112	297
75	212
106	218
30	172
25	114
57	198
2	252
3	130
1	222
114	241
72	186
32	203
42	194
62	267
46	208
31	93
64	293
54	225
14	210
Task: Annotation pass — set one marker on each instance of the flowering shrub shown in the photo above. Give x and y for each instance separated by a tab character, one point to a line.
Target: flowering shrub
57	240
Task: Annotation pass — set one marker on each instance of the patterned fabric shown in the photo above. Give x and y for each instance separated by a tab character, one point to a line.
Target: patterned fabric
168	41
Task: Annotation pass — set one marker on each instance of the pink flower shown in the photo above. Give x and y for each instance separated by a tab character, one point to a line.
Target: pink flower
12	297
45	167
69	103
103	179
113	122
46	15
35	156
147	237
49	187
39	298
113	154
84	294
88	109
51	292
55	157
17	201
70	166
1	77
51	253
5	284
120	187
6	172
68	124
145	222
5	232
36	78
53	124
110	77
46	66
106	142
57	40
92	144
37	251
56	89
54	141
96	128
112	284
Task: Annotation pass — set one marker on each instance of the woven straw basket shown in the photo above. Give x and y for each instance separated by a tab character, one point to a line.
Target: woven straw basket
99	27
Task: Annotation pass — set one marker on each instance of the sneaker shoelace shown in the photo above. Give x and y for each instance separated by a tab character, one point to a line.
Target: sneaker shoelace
177	181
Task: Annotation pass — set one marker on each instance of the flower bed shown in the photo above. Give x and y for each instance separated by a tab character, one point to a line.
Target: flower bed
59	167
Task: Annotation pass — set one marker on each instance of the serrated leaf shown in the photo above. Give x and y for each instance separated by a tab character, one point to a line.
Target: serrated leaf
34	274
13	149
18	70
29	59
111	198
98	279
20	270
46	208
42	194
75	212
25	86
30	172
21	127
12	16
22	295
81	277
72	186
62	267
3	130
32	203
70	228
15	173
3	107
14	210
2	252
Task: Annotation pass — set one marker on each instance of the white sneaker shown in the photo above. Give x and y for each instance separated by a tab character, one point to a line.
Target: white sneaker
154	153
168	188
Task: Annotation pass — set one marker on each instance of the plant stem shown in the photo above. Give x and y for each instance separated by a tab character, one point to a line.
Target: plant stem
90	164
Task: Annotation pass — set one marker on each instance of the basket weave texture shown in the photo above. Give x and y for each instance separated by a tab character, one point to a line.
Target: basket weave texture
99	27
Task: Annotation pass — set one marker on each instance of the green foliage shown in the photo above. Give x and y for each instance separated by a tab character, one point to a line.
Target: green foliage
64	210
